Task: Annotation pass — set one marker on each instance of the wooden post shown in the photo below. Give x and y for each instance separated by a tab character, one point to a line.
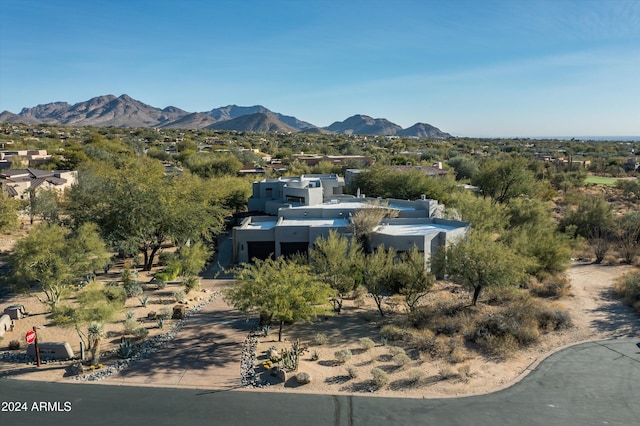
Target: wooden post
36	347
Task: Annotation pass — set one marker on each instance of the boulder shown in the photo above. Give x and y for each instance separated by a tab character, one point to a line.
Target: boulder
303	378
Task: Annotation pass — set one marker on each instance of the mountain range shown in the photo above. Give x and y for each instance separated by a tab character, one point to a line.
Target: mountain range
124	111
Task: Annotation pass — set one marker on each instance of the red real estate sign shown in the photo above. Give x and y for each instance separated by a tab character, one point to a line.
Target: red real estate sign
31	336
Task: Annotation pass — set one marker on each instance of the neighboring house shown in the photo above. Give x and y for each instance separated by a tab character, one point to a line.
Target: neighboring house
30	157
18	182
269	195
295	227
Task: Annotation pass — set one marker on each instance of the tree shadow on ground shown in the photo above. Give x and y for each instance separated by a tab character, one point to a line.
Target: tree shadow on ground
618	319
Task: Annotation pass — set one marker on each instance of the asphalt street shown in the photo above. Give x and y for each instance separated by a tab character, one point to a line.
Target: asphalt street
594	383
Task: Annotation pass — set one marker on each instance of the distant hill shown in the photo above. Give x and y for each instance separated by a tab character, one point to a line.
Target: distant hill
108	110
124	111
195	120
258	122
365	125
423	130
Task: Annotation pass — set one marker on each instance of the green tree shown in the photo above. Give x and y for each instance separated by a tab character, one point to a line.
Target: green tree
279	289
43	203
338	263
465	167
479	262
377	274
193	258
592	216
138	208
55	258
502	179
8	211
413	278
627	235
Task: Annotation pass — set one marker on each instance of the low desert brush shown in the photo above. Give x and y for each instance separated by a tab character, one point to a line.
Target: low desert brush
343	355
366	343
380	378
320	339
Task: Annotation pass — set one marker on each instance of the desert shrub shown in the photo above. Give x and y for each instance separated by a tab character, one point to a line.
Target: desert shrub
343	355
553	286
457	356
165	257
63	314
366	343
352	372
130	325
160	284
501	346
143	300
320	339
115	294
414	376
130	315
14	345
395	333
552	317
423	340
464	372
628	288
179	296
133	289
191	283
163	277
447	373
380	378
165	313
160	322
396	350
303	378
446	314
401	359
140	332
315	356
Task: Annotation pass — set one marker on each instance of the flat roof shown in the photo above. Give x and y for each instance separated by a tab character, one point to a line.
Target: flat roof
269	224
317	222
347	204
412	229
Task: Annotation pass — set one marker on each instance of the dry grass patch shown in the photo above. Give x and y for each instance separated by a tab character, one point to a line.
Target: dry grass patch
628	288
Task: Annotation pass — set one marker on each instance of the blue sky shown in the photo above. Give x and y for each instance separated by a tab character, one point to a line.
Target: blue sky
470	68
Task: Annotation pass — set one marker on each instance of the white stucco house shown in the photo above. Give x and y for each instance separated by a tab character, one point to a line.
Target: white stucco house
296	211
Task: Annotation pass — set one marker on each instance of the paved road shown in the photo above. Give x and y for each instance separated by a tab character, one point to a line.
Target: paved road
590	384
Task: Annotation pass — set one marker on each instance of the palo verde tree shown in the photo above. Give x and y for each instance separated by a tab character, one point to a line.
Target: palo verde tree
8	211
412	277
279	289
502	179
377	274
55	257
479	262
338	263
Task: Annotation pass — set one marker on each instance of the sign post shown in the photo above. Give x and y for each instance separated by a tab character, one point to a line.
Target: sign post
32	337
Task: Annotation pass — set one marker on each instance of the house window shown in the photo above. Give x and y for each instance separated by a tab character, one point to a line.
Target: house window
295	199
